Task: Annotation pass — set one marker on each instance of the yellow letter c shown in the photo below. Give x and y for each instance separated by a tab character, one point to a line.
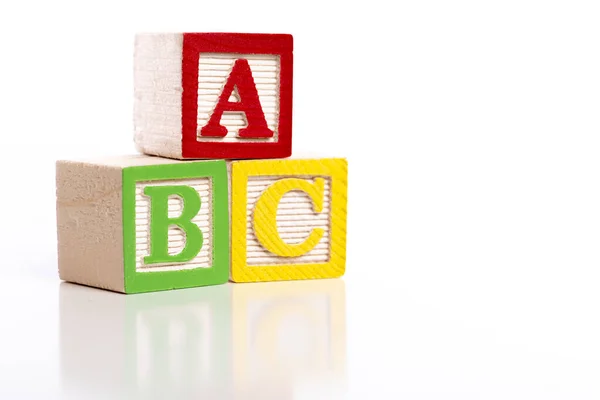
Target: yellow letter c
265	216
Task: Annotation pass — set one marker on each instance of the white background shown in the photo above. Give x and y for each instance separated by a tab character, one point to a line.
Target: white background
472	130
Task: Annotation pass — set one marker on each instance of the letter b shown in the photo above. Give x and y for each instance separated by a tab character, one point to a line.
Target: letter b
160	223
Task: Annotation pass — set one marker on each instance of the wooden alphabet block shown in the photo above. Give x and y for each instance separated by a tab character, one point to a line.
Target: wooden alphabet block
213	95
138	223
288	219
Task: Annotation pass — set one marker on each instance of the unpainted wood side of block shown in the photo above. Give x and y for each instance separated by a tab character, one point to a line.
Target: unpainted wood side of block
89	209
157	94
213	95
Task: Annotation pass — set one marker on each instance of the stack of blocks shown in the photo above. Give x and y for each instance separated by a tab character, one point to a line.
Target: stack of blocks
215	197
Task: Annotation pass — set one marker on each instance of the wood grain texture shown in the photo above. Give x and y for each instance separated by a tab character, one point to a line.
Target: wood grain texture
232	44
213	71
157	94
296	220
179	77
104	219
173	271
177	239
89	224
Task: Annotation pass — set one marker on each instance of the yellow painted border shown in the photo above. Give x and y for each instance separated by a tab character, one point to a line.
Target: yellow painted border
334	168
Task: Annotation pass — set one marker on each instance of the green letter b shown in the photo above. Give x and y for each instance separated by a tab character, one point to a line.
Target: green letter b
160	222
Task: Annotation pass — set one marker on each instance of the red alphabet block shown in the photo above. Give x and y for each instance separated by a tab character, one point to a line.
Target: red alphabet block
213	95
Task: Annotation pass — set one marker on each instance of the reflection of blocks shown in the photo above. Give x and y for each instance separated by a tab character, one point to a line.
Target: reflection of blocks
137	224
213	95
173	344
288	219
288	330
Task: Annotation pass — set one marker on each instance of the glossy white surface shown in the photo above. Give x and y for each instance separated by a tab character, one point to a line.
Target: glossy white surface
473	262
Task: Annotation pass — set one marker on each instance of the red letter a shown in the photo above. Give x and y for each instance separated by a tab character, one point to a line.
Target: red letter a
249	104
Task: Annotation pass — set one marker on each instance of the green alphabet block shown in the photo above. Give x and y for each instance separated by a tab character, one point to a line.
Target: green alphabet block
140	224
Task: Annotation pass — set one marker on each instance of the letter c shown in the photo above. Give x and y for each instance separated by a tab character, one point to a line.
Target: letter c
265	216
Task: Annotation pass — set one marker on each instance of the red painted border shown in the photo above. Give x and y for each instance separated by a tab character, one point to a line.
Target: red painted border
196	43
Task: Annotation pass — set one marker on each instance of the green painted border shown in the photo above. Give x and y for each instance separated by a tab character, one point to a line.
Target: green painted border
138	282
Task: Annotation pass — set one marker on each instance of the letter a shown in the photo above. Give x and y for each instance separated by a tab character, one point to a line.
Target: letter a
160	222
249	104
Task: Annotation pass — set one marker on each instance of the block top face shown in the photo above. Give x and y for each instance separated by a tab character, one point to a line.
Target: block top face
214	95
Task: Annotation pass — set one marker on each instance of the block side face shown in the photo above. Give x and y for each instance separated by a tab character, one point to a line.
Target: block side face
209	262
238	180
288	219
237	96
230	208
158	93
89	224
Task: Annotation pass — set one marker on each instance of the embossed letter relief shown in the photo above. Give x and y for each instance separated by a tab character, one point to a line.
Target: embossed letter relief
288	219
214	95
146	224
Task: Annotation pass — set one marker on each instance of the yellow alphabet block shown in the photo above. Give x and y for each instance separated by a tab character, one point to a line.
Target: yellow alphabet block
288	219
